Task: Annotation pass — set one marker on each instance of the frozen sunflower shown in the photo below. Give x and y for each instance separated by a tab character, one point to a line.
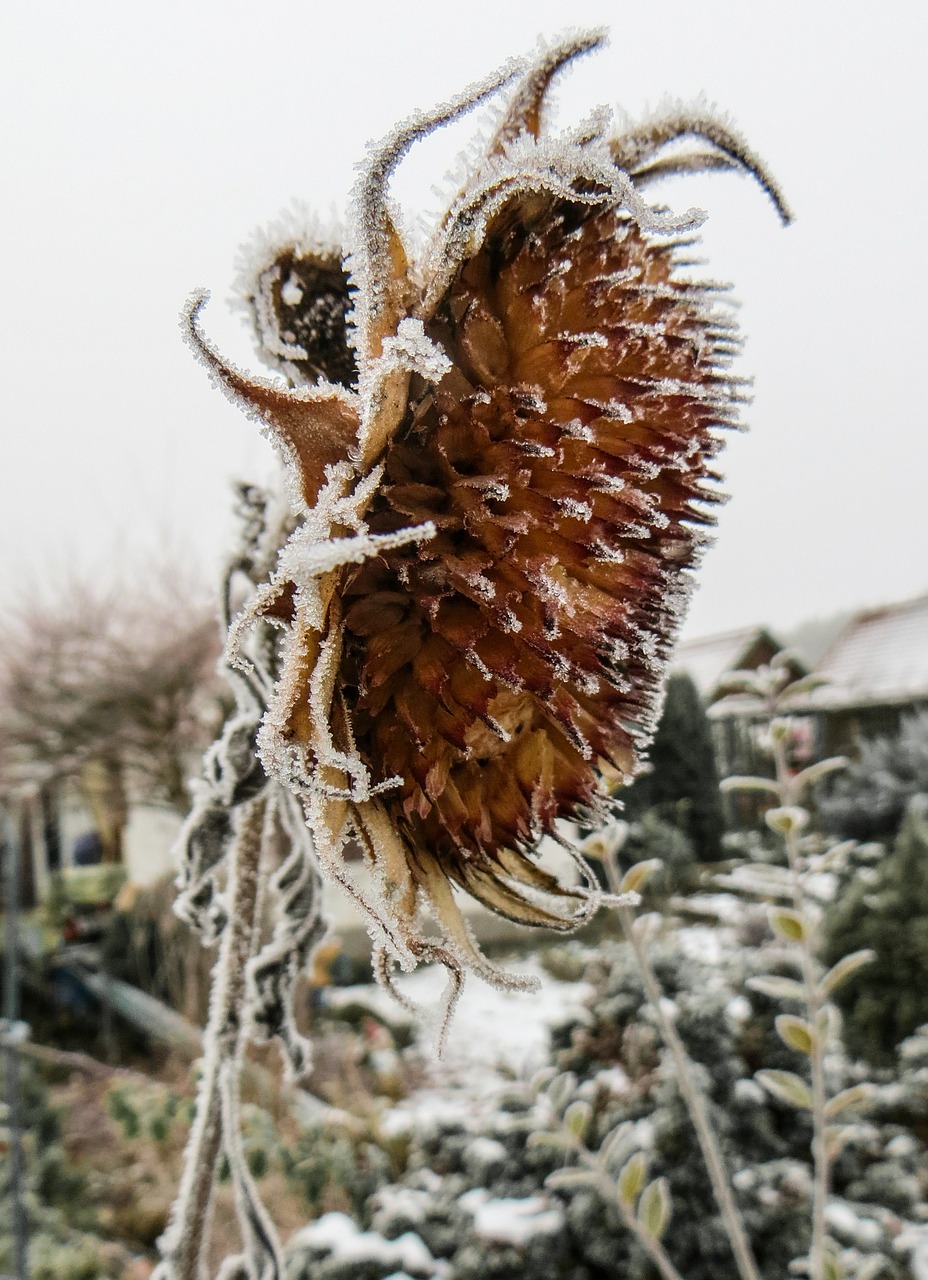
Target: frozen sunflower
501	442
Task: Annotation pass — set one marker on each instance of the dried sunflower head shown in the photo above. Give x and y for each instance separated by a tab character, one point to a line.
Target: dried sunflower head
501	448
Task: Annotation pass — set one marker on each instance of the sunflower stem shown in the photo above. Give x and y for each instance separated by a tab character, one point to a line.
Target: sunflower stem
184	1245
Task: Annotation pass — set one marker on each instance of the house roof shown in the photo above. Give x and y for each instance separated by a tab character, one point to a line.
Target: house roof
706	661
879	658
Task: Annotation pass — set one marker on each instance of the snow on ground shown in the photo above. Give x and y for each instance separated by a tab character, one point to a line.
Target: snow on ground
337	1235
494	1035
513	1222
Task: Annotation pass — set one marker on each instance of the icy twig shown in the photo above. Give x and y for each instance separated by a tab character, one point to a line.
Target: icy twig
185	1242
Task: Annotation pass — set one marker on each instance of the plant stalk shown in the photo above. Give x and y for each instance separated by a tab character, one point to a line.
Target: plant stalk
813	1001
692	1097
651	1245
186	1241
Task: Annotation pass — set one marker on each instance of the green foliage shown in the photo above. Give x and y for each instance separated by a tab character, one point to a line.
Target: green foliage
683	784
336	1170
146	1112
886	910
654	837
54	1193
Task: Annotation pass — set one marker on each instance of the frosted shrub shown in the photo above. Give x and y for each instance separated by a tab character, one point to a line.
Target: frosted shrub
886	911
869	800
682	780
474	1192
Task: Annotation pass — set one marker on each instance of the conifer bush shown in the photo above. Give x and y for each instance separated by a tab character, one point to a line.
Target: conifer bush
886	911
682	784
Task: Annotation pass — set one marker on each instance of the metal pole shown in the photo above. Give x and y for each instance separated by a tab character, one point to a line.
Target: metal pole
12	1031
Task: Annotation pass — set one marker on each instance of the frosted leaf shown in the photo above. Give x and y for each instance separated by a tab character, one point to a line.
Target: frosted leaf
302	560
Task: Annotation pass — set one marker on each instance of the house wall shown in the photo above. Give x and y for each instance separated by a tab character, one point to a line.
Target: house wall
841	732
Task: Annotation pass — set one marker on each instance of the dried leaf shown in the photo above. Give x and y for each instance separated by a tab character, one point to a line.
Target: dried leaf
612	1147
744	882
553	1138
738	783
832	1266
821	769
787	820
836	1135
636	877
855	1096
789	924
835	855
541	1080
578	1118
571	1178
778	988
561	1089
828	1023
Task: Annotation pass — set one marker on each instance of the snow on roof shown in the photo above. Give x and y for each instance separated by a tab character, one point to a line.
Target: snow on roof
708	659
880	657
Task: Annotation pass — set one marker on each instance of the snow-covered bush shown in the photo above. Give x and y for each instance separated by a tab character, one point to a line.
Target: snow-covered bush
336	1170
869	800
496	1191
652	836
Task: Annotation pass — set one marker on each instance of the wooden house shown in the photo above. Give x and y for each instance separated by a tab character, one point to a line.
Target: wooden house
876	672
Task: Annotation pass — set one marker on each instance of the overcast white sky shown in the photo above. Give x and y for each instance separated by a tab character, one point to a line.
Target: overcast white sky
144	142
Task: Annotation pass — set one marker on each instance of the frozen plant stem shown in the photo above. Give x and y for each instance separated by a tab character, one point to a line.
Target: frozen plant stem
187	1238
692	1097
814	1005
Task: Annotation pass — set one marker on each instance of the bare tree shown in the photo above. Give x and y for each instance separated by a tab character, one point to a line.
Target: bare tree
112	687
